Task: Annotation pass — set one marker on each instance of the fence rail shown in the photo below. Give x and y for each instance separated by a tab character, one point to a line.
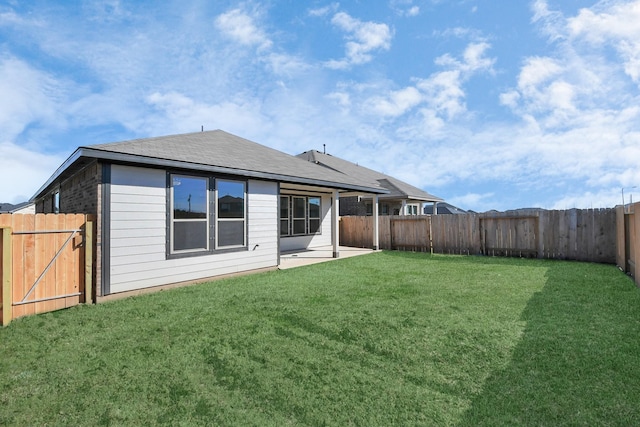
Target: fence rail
46	262
584	235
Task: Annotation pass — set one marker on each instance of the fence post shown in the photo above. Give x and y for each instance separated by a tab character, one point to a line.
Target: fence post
542	216
88	261
7	276
621	239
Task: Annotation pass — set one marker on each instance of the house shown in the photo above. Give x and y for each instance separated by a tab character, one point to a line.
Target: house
443	208
189	207
401	199
20	208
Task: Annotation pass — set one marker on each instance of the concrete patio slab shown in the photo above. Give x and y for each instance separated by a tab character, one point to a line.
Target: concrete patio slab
316	255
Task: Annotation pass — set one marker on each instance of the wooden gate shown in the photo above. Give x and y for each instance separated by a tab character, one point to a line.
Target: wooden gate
47	262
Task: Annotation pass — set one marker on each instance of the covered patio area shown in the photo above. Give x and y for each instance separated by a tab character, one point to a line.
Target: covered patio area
309	256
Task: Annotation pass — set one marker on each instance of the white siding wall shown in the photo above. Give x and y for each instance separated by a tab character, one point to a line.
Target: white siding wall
322	239
138	233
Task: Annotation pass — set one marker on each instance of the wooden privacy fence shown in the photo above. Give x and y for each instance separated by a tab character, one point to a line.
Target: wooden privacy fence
584	235
628	235
46	262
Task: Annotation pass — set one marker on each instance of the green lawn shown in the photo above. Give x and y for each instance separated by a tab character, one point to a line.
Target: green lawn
385	339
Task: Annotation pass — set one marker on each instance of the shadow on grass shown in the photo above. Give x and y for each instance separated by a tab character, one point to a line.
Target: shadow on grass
577	360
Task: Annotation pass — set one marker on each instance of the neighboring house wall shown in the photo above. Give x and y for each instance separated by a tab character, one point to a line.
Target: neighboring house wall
138	228
350	206
27	209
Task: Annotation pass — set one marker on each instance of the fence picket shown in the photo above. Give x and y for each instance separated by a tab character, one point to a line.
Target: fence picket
38	249
587	235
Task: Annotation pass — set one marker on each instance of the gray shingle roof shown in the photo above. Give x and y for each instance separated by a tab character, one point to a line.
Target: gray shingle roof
397	188
443	209
218	152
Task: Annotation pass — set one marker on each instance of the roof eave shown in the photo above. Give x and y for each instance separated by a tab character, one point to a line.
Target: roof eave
75	156
153	161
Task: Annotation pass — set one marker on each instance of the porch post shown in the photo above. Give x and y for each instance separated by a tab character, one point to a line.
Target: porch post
403	210
435	208
376	243
335	224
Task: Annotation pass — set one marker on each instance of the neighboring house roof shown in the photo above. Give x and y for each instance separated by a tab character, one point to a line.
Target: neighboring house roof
213	151
443	209
397	189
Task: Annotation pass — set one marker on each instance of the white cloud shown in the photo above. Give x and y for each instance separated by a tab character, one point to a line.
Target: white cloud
413	11
442	92
605	198
179	113
480	201
551	22
617	27
405	7
324	11
536	71
397	102
343	99
363	38
283	64
240	26
28	95
474	59
23	171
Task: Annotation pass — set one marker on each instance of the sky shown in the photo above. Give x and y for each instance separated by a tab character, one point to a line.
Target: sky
488	104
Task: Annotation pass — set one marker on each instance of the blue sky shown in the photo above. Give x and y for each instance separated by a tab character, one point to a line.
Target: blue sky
487	104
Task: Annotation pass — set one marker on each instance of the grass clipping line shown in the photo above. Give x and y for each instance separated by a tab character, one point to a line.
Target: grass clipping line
390	338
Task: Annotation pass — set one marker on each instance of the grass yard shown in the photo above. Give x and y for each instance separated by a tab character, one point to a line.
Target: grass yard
385	339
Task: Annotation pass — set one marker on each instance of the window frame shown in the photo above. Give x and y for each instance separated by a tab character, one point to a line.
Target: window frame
219	219
211	219
287	207
297	219
290	232
171	207
314	218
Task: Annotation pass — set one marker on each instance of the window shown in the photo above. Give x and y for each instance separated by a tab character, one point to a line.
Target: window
55	201
189	213
314	215
231	213
299	215
205	214
284	215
